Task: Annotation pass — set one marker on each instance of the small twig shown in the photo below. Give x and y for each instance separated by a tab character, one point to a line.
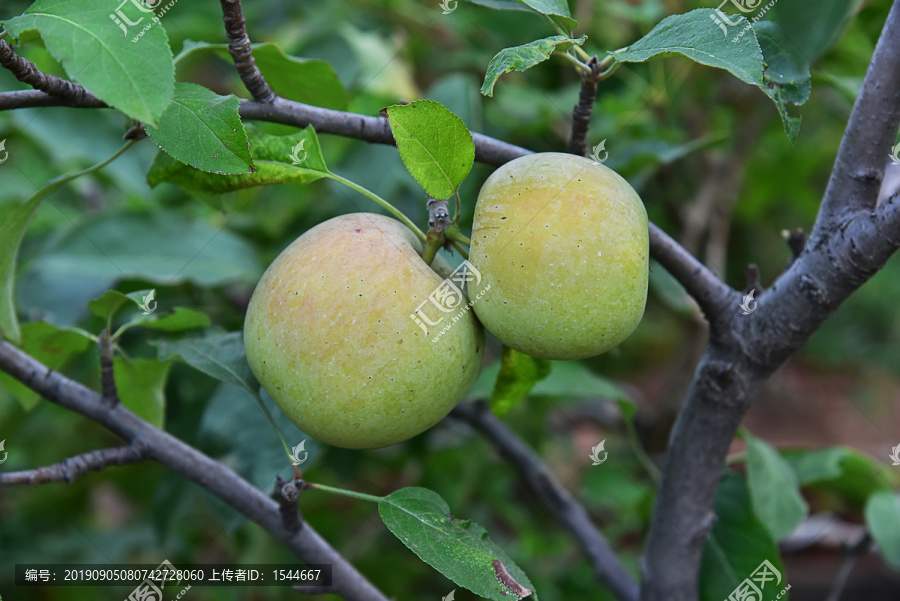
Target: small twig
27	72
753	278
553	495
73	467
581	114
286	493
796	241
239	48
438	214
109	394
851	555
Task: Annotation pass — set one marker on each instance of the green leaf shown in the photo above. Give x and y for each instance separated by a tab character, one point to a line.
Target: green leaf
180	319
695	36
737	545
161	246
458	549
503	5
273	157
883	521
106	305
524	57
310	81
518	375
435	145
844	472
11	234
786	77
136	77
557	10
573	380
217	353
203	129
774	489
141	385
51	345
812	37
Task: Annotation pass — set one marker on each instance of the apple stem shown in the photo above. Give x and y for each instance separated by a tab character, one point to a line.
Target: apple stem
453	234
435	241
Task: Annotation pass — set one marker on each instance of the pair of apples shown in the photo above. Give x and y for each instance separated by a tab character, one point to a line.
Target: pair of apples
561	248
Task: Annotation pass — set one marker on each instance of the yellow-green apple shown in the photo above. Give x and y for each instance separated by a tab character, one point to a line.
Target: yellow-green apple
562	245
330	335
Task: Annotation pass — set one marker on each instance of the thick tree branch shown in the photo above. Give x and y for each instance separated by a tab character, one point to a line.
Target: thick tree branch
861	159
554	496
27	72
191	463
852	245
239	48
73	467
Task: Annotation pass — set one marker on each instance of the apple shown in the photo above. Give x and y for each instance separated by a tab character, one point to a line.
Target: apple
329	335
562	245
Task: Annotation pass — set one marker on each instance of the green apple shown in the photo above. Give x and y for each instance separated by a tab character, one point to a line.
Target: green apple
330	335
563	249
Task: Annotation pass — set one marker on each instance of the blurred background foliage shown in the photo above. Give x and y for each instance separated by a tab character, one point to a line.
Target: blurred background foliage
708	154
